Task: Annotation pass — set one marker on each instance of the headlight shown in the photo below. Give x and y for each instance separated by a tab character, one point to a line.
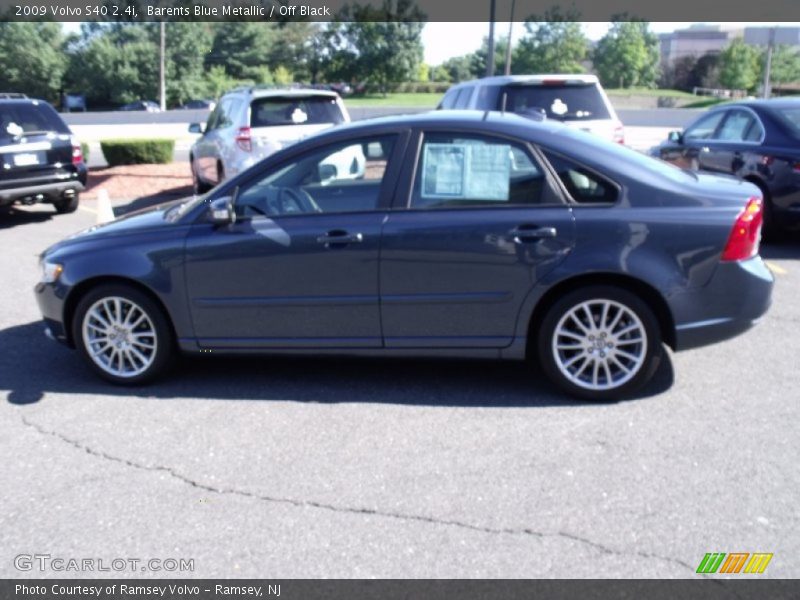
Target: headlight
51	272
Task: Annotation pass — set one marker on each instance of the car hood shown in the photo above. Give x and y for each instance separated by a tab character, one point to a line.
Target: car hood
147	219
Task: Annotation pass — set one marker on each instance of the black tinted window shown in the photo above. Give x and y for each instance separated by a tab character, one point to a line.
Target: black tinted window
582	184
280	110
559	101
17	119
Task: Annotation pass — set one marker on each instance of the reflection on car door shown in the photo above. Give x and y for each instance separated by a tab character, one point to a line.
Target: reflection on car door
483	223
291	272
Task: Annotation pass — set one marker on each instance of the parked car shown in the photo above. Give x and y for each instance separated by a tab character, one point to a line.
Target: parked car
71	102
756	140
467	235
42	160
251	123
578	101
145	105
198	105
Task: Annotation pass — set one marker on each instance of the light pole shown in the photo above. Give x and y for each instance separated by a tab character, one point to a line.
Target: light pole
768	66
490	53
162	88
508	43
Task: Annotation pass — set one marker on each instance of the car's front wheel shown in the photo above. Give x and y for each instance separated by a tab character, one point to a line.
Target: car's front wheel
123	334
599	343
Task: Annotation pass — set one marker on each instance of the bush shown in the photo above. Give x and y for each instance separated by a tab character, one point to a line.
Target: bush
85	151
135	152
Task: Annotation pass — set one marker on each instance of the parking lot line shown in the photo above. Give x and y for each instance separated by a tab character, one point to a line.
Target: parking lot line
775	268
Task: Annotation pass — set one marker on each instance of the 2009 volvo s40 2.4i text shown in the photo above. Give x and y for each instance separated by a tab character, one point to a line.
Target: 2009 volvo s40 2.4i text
466	235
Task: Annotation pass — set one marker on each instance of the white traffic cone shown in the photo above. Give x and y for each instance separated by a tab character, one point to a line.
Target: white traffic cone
104	211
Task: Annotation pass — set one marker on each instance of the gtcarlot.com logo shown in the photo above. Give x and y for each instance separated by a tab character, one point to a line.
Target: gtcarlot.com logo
47	562
735	562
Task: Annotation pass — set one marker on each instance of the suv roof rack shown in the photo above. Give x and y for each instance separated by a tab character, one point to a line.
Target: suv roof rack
10	95
278	86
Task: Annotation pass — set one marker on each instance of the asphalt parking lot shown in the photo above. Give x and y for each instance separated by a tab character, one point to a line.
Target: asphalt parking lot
367	468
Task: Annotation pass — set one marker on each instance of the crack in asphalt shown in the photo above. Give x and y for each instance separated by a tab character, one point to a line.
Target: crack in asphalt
354	510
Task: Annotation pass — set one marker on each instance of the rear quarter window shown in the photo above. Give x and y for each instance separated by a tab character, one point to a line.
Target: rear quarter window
584	185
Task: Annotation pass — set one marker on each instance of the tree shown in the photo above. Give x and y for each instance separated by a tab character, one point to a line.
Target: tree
739	66
458	68
785	67
478	59
627	56
241	47
554	44
378	45
33	59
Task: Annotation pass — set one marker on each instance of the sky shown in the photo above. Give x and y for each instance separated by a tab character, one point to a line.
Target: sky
446	40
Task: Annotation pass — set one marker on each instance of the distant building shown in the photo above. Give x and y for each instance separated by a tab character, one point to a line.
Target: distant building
759	36
697	40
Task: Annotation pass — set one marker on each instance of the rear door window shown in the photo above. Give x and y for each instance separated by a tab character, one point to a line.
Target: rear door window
560	101
455	170
276	111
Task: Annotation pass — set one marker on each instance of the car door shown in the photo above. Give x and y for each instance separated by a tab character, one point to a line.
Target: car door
205	147
696	144
738	134
477	227
292	272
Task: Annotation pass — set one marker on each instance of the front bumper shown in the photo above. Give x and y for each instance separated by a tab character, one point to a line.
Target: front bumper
736	297
50	298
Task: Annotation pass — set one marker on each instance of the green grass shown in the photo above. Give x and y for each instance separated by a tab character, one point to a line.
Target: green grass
649	92
706	102
421	100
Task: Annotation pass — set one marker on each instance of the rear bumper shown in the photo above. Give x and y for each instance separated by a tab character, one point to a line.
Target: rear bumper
735	298
41	193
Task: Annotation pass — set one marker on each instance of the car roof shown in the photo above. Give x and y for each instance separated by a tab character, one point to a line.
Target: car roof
297	92
767	103
504	123
537	78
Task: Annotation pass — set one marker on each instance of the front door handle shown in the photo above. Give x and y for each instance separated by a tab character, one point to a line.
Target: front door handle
338	237
531	233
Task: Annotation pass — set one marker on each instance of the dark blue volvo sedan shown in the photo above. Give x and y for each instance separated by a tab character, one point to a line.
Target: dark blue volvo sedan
458	234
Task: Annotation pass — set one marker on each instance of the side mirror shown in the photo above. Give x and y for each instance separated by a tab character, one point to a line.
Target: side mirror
675	136
326	172
197	128
220	211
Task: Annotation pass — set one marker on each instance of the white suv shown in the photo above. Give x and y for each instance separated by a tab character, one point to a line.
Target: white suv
251	123
578	101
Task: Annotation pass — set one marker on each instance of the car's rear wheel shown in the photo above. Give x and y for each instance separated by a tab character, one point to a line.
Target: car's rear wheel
123	334
599	343
66	205
198	185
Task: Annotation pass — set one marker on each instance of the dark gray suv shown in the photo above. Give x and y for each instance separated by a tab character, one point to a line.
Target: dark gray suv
467	234
41	159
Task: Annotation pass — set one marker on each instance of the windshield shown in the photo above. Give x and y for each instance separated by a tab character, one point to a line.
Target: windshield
559	101
287	110
17	119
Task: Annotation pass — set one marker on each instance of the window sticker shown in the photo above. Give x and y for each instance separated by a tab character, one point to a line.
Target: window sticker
466	171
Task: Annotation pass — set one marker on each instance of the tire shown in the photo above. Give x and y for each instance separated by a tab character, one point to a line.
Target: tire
593	362
198	186
128	360
66	205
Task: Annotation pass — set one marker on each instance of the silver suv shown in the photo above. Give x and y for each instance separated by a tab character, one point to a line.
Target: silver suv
578	100
251	123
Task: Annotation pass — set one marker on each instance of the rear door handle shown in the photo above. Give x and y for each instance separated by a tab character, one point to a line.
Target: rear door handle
530	233
340	238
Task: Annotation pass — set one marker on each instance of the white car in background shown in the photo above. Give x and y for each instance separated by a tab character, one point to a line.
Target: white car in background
250	123
577	101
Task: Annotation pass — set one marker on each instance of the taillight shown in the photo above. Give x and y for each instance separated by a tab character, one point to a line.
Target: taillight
619	134
77	153
743	240
243	139
796	167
